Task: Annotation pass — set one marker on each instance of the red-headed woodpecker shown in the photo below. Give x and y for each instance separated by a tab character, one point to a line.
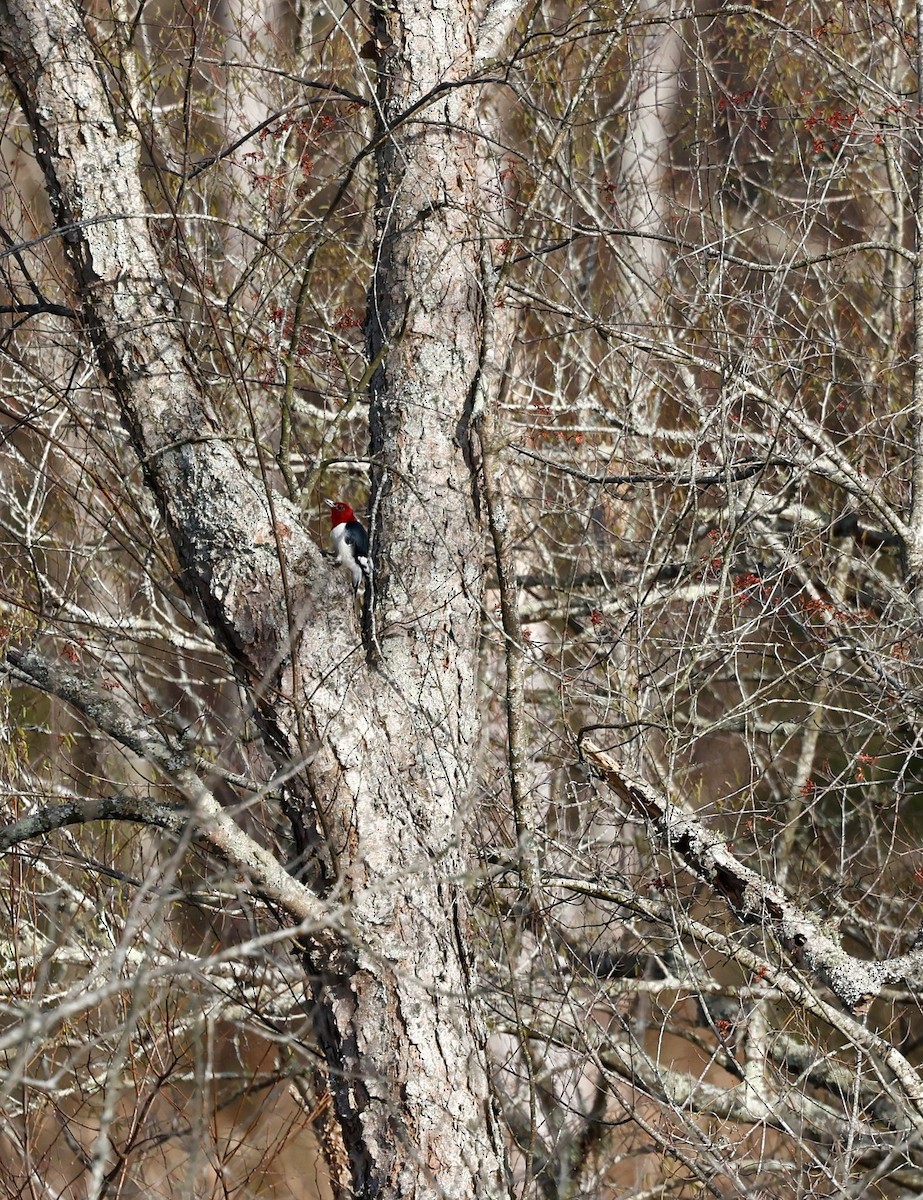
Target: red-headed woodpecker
350	540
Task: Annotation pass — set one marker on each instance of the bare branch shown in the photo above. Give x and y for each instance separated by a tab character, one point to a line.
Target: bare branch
706	854
209	820
125	807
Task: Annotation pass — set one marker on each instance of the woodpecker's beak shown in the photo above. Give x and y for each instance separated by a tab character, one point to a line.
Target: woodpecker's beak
329	503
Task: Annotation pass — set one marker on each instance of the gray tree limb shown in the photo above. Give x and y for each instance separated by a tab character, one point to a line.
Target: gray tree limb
853	981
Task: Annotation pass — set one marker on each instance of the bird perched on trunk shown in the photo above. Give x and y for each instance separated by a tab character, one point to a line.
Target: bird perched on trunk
350	541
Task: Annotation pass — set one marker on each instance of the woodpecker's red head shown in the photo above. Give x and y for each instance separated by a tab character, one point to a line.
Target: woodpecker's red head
340	512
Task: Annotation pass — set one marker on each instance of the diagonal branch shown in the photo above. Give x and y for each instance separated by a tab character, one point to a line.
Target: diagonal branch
857	1033
211	824
854	981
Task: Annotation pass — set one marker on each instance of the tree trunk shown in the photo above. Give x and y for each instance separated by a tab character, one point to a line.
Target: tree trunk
390	732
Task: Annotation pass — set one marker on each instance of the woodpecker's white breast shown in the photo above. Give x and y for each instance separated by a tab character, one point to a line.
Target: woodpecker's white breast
345	552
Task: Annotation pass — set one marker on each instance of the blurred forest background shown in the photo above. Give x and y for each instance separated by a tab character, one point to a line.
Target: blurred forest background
699	481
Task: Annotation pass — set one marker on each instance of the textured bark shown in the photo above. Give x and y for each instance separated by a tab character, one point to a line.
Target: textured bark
392	775
856	983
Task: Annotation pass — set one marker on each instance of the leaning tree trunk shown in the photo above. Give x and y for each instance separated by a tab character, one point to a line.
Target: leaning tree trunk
382	737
